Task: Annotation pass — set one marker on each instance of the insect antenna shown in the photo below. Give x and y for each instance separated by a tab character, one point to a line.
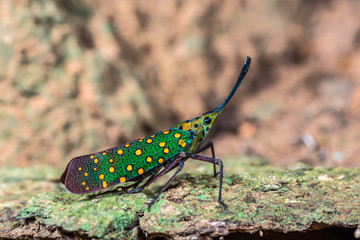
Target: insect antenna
243	72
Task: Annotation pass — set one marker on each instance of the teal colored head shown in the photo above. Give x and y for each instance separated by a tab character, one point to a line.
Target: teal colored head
203	124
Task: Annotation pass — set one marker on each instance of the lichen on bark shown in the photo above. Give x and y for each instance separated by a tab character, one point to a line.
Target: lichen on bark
259	198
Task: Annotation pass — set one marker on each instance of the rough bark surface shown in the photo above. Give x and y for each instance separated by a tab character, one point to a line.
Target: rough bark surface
260	199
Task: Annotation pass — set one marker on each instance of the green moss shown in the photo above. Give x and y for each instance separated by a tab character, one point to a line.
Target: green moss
95	217
261	197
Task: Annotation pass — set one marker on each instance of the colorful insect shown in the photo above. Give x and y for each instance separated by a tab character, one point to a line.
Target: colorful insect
145	157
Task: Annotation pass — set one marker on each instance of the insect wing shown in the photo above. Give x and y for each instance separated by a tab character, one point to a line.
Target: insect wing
101	170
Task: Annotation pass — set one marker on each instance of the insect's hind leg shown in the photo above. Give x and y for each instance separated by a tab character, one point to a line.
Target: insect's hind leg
134	185
211	146
156	176
215	161
179	168
147	183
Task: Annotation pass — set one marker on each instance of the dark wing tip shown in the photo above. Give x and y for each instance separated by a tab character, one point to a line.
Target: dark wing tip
68	178
63	175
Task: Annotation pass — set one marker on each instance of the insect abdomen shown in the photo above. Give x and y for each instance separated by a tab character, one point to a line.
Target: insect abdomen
120	164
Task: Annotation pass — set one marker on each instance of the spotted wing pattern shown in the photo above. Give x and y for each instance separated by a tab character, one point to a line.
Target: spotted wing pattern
116	165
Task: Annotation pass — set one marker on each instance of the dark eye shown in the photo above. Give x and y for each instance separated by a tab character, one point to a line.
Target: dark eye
207	120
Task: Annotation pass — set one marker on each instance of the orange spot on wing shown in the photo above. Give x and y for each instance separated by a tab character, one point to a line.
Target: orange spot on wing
140	171
160	160
96	160
120	152
104	184
101	176
111	169
122	179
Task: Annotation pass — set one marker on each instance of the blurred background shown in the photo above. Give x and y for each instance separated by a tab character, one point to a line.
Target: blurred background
81	76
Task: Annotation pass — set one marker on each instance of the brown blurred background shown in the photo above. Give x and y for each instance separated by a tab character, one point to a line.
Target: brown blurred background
82	76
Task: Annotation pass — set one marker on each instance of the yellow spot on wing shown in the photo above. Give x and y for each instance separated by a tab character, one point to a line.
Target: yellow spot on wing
182	143
80	168
92	156
140	140
122	179
83	183
186	126
127	145
138	152
149	159
87	188
104	153
94	168
120	152
149	140
96	160
86	174
162	144
152	136
129	167
160	160
140	171
166	132
177	135
101	176
111	169
104	184
111	160
166	150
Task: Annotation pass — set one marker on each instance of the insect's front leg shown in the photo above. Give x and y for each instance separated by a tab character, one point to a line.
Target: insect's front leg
217	162
211	146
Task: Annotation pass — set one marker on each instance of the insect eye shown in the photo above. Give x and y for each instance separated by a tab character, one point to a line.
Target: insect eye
207	120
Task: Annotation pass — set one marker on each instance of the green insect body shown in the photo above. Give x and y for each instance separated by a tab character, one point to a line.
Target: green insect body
104	169
151	156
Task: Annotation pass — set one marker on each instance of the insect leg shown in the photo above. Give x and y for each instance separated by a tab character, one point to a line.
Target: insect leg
134	185
156	177
211	146
217	162
139	189
180	166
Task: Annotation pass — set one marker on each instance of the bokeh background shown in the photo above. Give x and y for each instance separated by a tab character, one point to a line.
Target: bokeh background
82	76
